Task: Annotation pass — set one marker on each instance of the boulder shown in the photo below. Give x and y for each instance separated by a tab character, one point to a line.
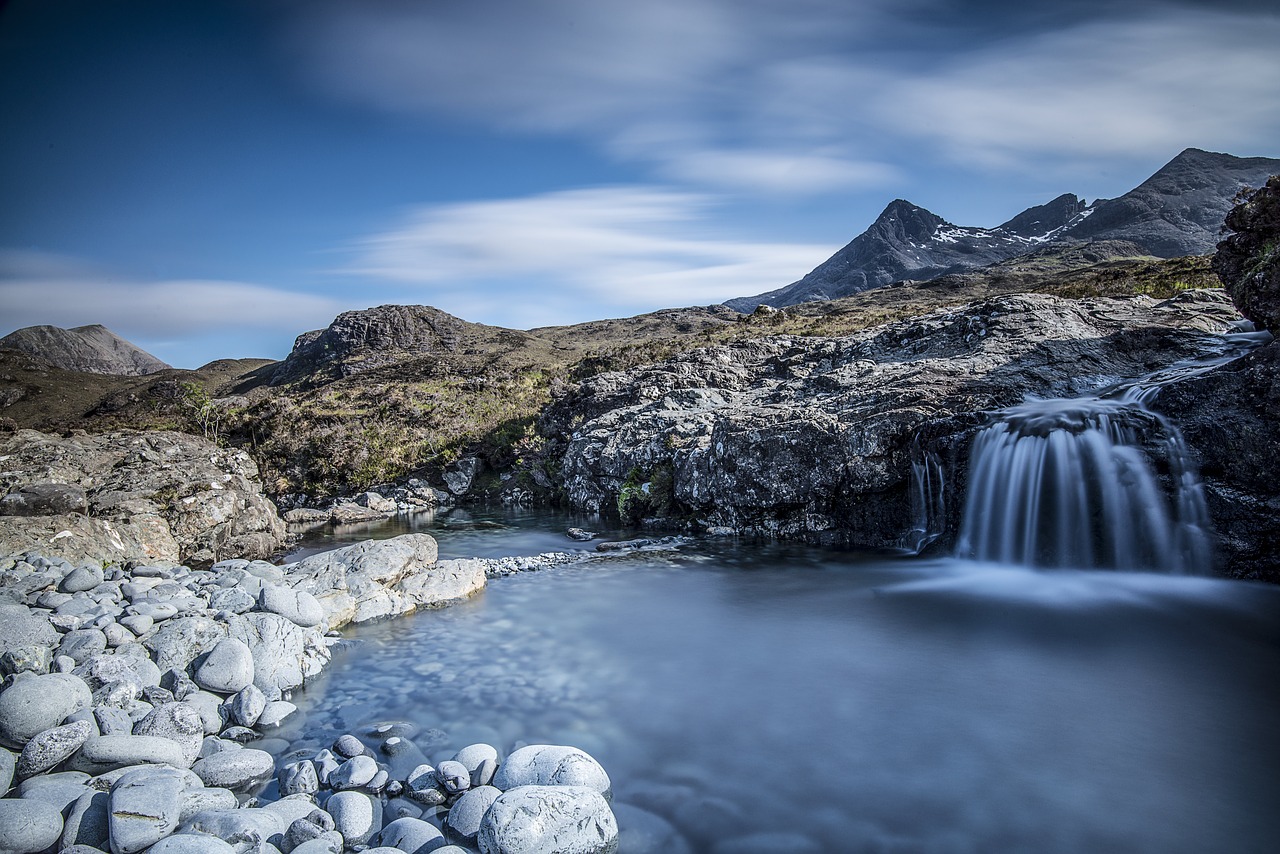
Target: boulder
44	499
285	655
228	668
238	770
551	765
28	826
145	807
1248	258
356	816
535	819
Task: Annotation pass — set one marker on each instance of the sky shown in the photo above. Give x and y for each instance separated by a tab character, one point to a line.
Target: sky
211	178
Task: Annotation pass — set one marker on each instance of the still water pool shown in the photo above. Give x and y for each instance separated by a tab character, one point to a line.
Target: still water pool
861	703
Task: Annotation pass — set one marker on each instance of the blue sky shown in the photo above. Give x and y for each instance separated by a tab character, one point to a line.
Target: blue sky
210	179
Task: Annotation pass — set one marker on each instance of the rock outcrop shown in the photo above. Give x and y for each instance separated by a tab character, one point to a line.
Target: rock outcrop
812	438
1175	212
90	349
143	496
1248	259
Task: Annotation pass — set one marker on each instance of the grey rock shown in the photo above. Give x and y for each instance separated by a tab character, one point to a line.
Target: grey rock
330	843
237	826
129	662
228	669
178	683
209	707
355	773
297	606
8	764
356	815
139	624
84	577
551	765
47	749
80	644
285	655
44	499
233	599
179	722
87	821
347	746
248	705
157	611
28	826
237	770
275	714
101	753
34	704
117	634
27	659
191	843
62	788
423	786
454	777
204	798
312	826
481	760
467	812
145	806
564	819
112	720
298	778
411	835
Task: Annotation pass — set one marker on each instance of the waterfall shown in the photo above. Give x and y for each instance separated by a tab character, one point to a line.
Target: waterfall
928	499
1069	484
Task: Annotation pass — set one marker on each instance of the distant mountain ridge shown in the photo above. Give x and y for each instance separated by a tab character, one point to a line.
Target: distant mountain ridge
93	349
1175	212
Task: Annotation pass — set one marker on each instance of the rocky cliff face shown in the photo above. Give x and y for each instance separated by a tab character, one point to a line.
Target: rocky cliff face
90	349
133	496
811	438
1175	212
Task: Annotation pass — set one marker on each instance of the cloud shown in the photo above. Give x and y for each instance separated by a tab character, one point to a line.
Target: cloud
38	288
607	248
812	96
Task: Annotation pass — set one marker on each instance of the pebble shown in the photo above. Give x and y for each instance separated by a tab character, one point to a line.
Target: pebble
87	821
348	746
411	835
481	760
298	778
454	777
178	722
356	816
551	765
52	746
238	769
355	773
81	579
101	753
190	843
248	705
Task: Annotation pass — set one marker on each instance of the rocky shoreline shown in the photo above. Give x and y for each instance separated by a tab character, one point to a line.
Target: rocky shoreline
134	695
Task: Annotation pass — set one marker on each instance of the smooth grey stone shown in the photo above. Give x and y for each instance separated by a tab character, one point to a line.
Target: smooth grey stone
237	770
82	643
454	777
152	570
379	782
464	818
239	734
145	807
275	713
423	786
207	798
551	765
62	789
348	746
117	634
330	843
178	683
34	704
293	807
296	606
530	819
302	830
191	843
179	722
102	753
52	746
52	599
81	579
158	611
87	821
355	773
481	760
284	654
104	781
356	815
298	778
28	826
112	720
122	694
238	825
129	663
325	766
8	764
139	624
228	669
247	706
231	599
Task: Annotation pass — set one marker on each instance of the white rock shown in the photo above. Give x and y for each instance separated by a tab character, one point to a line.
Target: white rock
551	765
545	819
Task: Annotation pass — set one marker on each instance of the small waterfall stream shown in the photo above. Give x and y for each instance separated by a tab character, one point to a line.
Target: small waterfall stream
1092	483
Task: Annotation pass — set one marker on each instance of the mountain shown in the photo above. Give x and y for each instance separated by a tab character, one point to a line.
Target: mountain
1175	212
89	349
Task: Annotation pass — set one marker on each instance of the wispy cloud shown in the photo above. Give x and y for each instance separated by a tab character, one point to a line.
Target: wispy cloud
38	288
628	248
808	96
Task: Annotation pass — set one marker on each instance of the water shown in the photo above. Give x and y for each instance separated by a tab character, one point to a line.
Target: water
865	704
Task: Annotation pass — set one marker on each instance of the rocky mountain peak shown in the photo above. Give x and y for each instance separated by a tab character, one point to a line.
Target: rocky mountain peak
92	349
1045	219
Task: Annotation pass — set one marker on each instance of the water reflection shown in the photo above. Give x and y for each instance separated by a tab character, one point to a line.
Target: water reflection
861	704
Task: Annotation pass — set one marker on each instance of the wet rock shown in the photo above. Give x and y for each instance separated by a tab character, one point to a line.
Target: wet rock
298	778
356	773
551	765
248	705
568	819
356	816
463	822
347	746
411	835
34	704
28	826
454	777
238	826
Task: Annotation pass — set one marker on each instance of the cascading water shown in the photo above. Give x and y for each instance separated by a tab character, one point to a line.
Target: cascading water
1073	483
